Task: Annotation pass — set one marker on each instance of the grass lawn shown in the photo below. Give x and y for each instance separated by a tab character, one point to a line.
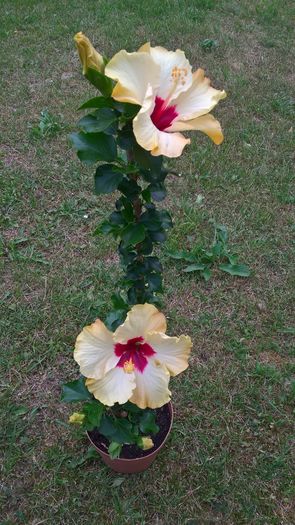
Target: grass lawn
229	458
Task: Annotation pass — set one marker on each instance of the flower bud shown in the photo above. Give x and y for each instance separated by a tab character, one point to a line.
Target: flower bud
89	57
147	443
77	418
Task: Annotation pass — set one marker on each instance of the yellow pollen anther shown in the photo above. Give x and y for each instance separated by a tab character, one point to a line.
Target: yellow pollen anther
128	366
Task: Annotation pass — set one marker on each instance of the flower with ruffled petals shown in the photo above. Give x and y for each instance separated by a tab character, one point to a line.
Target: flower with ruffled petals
90	58
135	362
172	98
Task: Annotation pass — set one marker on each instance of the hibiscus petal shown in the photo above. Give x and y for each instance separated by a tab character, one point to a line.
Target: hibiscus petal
94	350
141	319
115	387
170	144
151	138
207	123
176	71
145	48
133	71
173	352
151	386
199	99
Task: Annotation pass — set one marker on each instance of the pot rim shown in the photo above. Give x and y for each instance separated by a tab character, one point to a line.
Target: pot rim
132	460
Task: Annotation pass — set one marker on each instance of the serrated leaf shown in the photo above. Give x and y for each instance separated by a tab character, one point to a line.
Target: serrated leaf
239	270
75	391
107	178
93	411
92	147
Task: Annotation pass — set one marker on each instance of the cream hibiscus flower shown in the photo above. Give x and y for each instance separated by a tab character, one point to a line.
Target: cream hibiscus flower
135	362
172	98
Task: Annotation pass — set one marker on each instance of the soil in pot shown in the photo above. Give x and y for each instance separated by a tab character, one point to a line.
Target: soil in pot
163	419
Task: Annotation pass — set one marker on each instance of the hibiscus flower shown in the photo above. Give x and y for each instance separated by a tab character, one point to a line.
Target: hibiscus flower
172	98
135	362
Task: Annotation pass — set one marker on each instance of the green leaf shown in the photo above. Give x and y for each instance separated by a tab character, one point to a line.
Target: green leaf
117	218
147	423
98	121
107	178
146	247
128	110
146	195
132	408
165	219
206	274
154	281
217	250
97	102
181	255
100	81
75	391
130	188
124	431
126	138
240	270
221	233
232	257
90	454
156	220
92	147
146	160
117	482
133	234
118	301
195	267
119	430
158	191
93	413
105	227
153	264
114	450
107	427
115	318
158	236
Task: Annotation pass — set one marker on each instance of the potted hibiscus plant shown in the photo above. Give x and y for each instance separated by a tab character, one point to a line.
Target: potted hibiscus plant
145	100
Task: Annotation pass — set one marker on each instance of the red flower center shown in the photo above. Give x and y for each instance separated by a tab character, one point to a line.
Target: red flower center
135	351
163	115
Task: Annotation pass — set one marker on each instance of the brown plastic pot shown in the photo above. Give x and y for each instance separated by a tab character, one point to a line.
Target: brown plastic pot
131	466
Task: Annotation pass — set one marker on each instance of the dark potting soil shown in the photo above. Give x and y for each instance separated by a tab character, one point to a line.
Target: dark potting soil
163	419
